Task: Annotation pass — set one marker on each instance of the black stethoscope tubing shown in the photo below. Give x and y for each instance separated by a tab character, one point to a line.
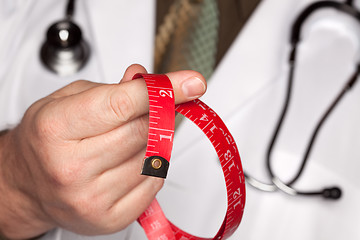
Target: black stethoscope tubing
277	183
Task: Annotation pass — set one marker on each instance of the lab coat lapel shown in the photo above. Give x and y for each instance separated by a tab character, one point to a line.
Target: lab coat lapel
247	68
249	64
117	43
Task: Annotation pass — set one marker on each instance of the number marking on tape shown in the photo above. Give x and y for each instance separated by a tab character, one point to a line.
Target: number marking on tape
158	153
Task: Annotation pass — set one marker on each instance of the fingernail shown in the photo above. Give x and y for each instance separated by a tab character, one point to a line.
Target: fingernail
193	87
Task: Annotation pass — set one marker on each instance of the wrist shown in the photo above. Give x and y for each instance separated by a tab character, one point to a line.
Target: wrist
20	216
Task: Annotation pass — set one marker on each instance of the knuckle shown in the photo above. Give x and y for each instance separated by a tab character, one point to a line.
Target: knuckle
158	184
91	208
71	88
45	125
79	82
65	175
122	105
85	206
42	124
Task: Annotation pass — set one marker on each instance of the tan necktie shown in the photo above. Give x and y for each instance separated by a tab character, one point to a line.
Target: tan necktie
187	38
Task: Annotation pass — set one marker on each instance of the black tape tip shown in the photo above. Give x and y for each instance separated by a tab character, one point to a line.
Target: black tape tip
155	166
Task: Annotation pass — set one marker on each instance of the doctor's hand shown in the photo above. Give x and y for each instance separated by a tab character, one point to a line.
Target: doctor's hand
74	161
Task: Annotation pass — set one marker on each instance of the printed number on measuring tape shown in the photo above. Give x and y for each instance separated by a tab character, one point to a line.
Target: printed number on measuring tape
158	152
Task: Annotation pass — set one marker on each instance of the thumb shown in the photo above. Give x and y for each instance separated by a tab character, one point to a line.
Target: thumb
106	107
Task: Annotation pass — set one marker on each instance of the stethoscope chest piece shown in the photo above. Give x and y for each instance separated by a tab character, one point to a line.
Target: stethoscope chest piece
64	51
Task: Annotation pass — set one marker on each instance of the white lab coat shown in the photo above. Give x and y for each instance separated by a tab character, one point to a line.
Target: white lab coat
246	90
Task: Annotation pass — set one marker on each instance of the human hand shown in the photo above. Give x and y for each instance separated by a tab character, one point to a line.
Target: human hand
74	161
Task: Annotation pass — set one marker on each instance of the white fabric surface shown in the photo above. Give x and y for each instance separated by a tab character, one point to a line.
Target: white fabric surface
247	91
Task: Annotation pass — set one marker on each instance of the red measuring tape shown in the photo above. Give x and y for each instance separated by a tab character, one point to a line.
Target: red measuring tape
160	139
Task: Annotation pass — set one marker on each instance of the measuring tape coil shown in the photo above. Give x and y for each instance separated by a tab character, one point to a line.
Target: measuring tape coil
158	152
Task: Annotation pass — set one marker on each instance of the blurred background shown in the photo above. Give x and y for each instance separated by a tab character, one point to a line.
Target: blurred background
247	80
